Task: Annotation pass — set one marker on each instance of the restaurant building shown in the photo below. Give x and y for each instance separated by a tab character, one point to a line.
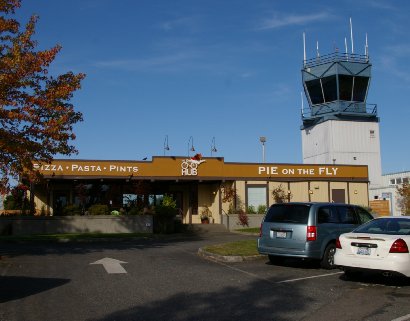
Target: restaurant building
198	185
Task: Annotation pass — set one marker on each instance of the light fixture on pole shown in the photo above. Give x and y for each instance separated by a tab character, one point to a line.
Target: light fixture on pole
191	141
213	147
166	146
262	139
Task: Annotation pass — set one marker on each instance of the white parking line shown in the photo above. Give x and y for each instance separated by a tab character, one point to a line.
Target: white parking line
268	280
309	277
403	318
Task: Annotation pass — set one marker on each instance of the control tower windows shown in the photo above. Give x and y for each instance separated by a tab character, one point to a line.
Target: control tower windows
360	88
329	88
345	87
322	90
351	88
315	91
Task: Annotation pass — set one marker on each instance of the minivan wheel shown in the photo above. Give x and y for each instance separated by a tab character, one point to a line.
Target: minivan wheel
328	260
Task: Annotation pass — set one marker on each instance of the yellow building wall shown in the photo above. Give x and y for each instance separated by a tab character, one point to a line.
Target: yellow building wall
300	191
319	192
240	194
358	194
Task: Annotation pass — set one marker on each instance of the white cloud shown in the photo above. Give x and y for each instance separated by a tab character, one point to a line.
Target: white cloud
289	20
186	23
394	60
158	62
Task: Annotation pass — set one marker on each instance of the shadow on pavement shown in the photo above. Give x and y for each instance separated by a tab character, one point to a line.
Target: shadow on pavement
376	278
17	287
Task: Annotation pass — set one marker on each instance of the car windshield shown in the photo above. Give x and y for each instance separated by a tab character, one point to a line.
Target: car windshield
288	213
388	225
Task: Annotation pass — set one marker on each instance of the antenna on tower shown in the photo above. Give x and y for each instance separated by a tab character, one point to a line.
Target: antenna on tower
304	49
317	49
366	49
351	34
347	56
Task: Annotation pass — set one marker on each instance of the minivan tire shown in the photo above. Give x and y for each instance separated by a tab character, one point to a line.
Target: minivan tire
328	257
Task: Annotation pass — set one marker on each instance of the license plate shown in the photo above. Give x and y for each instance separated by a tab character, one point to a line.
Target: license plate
281	235
363	251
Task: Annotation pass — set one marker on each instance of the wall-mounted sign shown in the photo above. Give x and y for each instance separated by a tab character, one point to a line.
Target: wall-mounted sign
198	168
189	167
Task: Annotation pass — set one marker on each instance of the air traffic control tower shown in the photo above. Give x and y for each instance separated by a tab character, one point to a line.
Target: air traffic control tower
339	127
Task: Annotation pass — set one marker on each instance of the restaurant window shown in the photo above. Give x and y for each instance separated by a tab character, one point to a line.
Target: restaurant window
256	197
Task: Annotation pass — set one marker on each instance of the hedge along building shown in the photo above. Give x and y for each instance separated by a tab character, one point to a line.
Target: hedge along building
196	184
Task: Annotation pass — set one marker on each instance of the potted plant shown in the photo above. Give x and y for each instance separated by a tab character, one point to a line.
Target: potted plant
206	214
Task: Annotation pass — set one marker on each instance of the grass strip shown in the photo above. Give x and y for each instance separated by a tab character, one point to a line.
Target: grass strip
239	248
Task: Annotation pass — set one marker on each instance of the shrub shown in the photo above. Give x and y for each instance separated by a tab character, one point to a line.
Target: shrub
165	211
243	219
98	209
164	218
168	201
13	203
9	203
262	209
251	209
134	211
70	210
280	196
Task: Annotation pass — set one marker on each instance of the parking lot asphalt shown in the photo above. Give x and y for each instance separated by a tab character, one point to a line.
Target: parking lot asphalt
165	279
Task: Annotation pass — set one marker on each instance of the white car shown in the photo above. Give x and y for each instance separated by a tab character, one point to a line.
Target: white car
381	245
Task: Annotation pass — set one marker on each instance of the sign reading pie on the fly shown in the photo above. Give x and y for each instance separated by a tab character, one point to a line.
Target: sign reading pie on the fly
205	168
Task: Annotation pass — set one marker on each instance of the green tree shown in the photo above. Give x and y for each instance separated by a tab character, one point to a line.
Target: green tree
36	117
404	198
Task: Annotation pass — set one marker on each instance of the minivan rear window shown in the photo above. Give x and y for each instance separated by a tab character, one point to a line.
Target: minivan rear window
288	213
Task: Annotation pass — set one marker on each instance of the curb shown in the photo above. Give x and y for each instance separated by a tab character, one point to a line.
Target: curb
227	258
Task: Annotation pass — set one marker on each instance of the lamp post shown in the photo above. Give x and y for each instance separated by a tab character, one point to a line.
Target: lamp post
166	146
213	147
262	139
191	141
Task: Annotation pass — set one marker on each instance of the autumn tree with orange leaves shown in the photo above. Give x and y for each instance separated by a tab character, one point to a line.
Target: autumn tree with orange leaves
36	116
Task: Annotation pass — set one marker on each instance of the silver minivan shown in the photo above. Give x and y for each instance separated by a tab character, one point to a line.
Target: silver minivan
307	230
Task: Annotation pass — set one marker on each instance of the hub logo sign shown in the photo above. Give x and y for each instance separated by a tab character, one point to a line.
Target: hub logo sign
189	167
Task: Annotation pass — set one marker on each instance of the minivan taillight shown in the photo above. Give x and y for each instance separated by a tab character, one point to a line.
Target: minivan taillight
399	246
338	245
311	233
260	231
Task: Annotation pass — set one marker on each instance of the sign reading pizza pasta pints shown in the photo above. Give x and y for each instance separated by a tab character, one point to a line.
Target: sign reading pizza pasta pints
198	167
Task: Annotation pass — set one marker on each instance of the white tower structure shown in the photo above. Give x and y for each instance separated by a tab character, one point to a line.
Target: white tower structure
339	127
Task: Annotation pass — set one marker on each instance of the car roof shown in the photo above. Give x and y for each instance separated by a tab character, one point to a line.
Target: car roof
314	203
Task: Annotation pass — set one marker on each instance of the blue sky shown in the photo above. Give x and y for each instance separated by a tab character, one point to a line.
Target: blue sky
224	69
